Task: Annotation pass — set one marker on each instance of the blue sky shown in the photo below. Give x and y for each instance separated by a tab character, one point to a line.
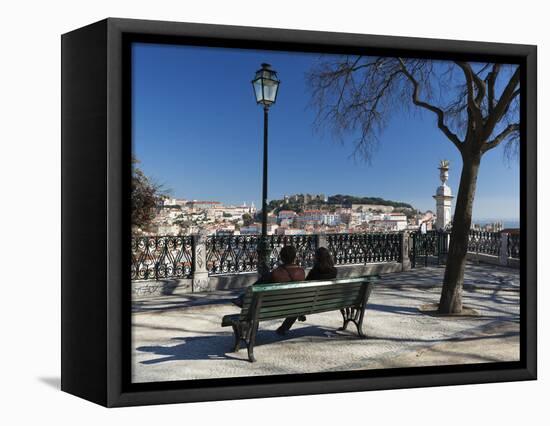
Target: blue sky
198	131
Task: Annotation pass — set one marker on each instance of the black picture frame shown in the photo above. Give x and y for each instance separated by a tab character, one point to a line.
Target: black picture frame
96	167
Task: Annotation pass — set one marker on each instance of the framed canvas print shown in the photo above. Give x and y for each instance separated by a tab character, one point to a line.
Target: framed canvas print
254	212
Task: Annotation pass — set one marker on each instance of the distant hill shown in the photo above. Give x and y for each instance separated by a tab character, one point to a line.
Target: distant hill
338	199
351	199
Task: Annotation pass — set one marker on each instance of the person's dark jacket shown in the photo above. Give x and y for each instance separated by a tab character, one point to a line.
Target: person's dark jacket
317	274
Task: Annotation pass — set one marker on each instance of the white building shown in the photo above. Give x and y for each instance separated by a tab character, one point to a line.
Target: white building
289	231
331	219
286	215
310	216
388	225
249	230
400	217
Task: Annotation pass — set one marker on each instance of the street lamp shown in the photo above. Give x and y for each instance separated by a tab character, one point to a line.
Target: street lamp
266	85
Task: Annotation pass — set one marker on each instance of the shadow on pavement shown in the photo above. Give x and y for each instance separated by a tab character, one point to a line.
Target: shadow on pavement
216	346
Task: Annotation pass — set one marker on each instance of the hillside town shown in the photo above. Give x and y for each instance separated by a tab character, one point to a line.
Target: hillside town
293	215
303	214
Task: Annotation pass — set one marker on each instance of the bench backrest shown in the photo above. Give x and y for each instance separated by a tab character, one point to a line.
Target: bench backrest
281	300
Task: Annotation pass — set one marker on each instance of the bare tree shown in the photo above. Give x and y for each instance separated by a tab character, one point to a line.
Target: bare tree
145	197
476	107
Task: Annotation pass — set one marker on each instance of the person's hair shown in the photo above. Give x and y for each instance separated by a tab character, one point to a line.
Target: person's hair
323	260
288	255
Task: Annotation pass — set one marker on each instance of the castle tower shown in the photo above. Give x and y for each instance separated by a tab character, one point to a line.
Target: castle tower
443	197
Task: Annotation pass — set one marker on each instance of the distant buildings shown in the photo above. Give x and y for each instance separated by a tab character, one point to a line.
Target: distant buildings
372	208
256	228
283	230
488	227
202	205
286	215
183	217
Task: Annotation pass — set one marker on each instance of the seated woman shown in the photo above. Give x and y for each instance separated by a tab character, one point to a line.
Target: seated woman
323	269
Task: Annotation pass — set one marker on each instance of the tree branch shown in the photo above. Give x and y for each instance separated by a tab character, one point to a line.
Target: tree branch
508	94
511	128
491	78
440	114
474	103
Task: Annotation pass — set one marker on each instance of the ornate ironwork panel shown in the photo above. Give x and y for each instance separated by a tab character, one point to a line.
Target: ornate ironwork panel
231	254
350	249
426	246
484	242
162	257
239	253
513	246
305	248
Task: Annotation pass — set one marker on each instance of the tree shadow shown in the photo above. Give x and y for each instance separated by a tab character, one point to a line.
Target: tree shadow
392	309
450	339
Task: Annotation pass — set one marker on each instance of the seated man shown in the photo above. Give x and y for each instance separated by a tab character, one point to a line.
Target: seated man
287	271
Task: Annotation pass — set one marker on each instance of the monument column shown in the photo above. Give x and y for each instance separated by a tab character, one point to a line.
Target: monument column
443	197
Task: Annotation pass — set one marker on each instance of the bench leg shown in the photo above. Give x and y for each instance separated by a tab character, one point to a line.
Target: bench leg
237	333
359	323
251	341
347	316
354	315
361	311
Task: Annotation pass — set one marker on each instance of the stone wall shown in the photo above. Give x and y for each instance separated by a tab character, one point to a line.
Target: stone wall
152	288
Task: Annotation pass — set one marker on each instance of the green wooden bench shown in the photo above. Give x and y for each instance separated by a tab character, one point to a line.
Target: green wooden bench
265	302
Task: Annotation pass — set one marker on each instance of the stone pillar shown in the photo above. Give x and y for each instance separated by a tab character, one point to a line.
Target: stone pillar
200	273
405	261
503	256
443	198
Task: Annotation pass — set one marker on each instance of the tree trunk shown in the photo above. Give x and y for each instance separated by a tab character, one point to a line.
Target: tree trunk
451	293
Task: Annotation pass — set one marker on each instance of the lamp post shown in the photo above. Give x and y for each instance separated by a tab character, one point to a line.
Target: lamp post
266	85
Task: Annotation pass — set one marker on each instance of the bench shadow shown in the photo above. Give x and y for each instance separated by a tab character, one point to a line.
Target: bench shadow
217	347
181	301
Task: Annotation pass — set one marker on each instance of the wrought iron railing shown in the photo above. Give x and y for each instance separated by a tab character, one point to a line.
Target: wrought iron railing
484	242
305	248
162	257
159	257
239	253
427	248
352	249
513	246
231	254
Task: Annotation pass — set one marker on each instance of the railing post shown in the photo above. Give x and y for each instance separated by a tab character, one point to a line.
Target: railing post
322	241
200	273
405	261
414	237
503	255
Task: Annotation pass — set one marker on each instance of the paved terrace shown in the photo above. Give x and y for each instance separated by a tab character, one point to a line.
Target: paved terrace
179	337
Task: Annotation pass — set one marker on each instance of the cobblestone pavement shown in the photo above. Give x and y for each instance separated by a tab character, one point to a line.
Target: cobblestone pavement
180	337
